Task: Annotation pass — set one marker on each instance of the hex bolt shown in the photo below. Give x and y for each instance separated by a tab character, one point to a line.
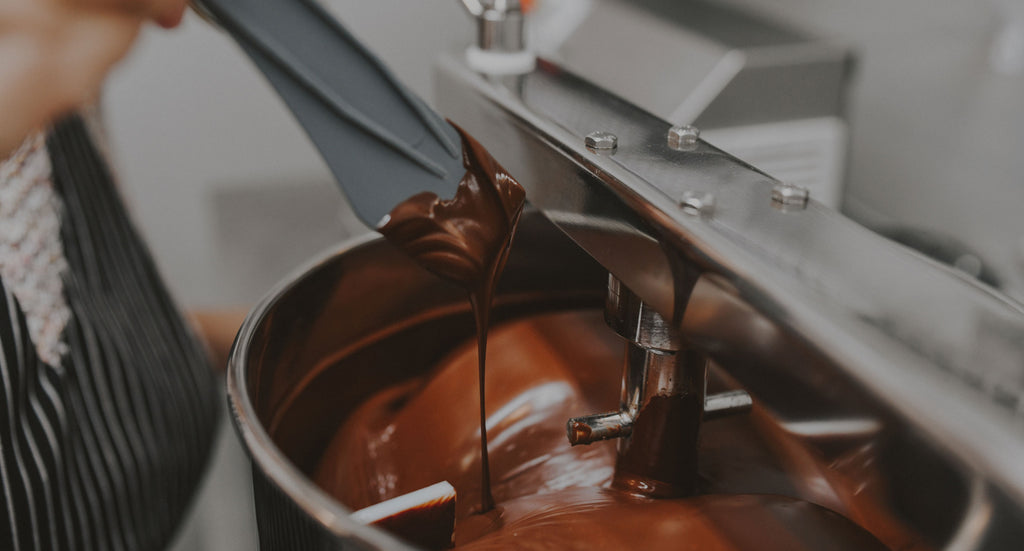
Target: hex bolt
683	137
698	203
790	196
601	142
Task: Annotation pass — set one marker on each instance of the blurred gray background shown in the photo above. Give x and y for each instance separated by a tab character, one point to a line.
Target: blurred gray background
231	196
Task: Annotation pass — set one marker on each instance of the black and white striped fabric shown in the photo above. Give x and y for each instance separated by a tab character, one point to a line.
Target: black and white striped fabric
103	451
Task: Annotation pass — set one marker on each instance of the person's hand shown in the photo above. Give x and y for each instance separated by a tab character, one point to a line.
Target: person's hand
54	54
166	13
218	328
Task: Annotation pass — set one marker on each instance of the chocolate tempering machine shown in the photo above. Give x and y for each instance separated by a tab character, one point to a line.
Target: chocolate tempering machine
846	337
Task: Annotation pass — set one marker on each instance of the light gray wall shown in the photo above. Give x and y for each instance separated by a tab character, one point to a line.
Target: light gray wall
937	114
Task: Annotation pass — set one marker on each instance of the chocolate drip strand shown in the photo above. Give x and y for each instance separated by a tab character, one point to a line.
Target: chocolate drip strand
465	240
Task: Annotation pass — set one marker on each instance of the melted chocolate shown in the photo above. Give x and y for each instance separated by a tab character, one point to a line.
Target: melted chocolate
596	520
660	458
465	240
546	369
417	434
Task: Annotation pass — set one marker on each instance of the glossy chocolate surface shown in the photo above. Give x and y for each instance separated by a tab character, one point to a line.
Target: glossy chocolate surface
547	368
594	519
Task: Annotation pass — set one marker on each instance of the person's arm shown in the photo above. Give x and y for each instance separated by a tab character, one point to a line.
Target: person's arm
217	328
54	54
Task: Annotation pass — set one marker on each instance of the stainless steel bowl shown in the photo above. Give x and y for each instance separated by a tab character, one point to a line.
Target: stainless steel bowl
364	317
324	339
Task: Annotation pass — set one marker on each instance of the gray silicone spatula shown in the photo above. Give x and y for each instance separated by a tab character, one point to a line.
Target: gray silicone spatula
382	143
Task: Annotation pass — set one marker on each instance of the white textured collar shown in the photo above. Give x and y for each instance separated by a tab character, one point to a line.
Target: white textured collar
32	260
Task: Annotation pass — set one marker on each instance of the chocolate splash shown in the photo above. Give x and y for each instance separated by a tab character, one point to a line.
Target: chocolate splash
465	240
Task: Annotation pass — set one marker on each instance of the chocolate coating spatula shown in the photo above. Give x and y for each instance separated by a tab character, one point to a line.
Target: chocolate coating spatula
382	143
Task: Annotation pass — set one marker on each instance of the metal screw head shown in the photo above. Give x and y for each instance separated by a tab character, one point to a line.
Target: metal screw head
601	141
969	264
790	196
683	138
698	203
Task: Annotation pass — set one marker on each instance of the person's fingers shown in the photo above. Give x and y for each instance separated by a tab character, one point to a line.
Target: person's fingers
167	13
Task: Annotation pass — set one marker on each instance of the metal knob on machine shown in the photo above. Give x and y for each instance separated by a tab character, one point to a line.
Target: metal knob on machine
500	38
